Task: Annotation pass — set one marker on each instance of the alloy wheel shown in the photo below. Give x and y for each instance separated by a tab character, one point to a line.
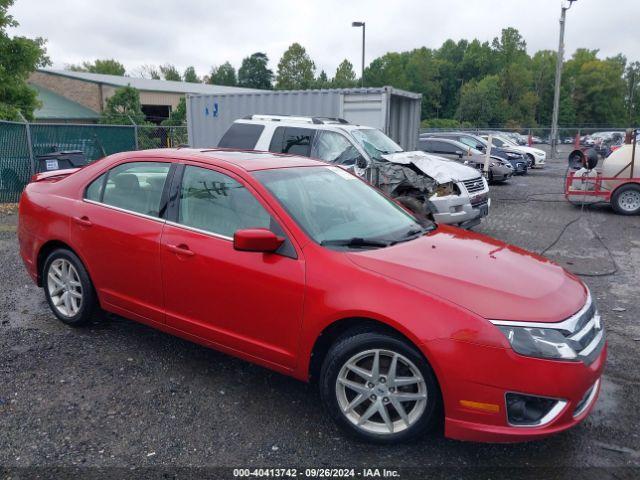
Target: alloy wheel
64	287
381	391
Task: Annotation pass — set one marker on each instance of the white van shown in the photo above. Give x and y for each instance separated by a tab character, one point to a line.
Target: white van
443	190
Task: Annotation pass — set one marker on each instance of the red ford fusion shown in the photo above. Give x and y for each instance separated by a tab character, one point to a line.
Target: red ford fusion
305	269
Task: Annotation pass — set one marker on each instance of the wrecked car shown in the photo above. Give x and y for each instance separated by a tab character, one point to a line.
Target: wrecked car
430	186
499	170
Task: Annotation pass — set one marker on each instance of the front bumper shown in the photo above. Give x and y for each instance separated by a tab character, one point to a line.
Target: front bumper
496	371
519	166
540	161
460	209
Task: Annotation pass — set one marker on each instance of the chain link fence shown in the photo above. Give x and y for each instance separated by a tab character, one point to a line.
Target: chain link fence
22	143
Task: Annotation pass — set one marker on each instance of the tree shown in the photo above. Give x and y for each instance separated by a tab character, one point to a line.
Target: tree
632	93
345	77
225	74
253	72
178	116
123	107
599	93
19	57
296	70
322	81
190	75
543	66
150	72
170	72
107	66
480	102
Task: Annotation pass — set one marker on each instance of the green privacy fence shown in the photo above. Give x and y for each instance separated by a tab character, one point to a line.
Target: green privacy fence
21	144
15	164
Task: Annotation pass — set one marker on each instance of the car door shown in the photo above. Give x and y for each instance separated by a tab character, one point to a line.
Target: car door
245	302
117	232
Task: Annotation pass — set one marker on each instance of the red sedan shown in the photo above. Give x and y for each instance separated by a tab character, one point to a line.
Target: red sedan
305	269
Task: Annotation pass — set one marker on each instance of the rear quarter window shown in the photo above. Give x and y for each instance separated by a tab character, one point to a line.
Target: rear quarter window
241	135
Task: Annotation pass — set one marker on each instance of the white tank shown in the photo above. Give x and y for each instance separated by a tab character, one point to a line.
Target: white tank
617	164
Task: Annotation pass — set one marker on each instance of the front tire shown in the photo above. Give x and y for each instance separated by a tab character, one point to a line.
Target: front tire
68	288
532	160
626	199
380	389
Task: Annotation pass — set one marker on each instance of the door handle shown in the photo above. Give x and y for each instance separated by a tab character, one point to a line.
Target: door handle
84	221
181	249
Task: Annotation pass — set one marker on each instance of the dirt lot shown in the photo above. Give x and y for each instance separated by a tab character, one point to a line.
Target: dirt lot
120	394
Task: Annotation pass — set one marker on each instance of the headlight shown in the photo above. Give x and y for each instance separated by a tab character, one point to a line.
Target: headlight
513	155
492	164
445	189
540	342
539	153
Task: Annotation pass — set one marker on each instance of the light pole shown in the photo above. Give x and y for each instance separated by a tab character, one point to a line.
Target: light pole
362	24
556	92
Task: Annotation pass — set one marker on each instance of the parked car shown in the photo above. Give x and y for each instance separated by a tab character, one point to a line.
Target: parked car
303	268
499	170
516	159
444	191
536	157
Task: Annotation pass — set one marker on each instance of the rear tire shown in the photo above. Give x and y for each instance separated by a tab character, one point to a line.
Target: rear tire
68	288
357	397
626	199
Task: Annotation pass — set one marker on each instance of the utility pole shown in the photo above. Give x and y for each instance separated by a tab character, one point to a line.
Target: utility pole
363	25
556	93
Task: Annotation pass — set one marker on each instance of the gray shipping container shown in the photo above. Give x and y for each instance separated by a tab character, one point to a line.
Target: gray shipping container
395	112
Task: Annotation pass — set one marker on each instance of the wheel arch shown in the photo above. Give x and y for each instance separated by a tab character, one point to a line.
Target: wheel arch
46	249
337	328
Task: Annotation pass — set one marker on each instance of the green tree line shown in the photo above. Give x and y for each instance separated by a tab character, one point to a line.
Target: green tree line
476	83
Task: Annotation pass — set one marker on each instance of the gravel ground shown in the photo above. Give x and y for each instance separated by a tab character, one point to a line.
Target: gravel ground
120	394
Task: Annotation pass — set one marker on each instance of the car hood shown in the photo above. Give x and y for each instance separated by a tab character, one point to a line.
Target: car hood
438	168
488	277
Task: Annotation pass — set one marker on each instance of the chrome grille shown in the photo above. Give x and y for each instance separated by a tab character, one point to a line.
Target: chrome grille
474	185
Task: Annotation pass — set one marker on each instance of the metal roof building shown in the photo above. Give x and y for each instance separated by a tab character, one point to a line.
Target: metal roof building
56	108
91	90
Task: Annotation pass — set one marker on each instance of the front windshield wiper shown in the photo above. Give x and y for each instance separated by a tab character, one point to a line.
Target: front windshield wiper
355	242
415	233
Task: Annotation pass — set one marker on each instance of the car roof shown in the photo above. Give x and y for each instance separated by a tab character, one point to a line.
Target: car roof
297	124
248	160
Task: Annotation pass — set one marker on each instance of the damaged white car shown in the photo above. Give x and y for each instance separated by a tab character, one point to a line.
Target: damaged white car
431	186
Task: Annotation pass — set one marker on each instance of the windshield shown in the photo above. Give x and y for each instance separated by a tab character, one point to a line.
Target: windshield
375	142
508	141
466	148
334	207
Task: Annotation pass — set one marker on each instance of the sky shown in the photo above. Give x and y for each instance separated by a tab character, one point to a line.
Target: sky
203	33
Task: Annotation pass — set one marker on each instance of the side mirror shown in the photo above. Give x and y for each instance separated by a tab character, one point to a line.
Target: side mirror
361	162
256	240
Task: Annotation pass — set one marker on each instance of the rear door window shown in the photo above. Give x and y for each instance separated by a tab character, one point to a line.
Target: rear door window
136	187
241	135
292	140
